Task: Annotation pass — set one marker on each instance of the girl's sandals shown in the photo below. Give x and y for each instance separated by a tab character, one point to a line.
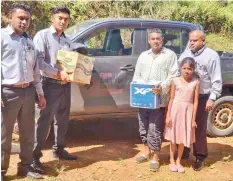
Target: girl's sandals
173	167
180	169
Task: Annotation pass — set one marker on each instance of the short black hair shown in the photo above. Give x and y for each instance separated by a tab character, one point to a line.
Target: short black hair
19	6
188	60
60	9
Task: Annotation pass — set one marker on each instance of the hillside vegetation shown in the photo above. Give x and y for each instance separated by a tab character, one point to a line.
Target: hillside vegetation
215	16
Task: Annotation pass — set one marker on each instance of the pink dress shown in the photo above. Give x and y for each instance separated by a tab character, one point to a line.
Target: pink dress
181	130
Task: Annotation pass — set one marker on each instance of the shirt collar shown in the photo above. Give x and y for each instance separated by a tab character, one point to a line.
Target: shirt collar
198	52
162	51
53	30
11	31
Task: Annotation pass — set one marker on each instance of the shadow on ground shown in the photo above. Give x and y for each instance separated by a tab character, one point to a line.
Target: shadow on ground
115	140
216	152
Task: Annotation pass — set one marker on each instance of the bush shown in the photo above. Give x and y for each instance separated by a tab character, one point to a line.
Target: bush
215	17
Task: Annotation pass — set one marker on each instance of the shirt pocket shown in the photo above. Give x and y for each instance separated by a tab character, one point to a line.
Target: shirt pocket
201	71
161	66
30	56
162	62
65	48
65	45
144	68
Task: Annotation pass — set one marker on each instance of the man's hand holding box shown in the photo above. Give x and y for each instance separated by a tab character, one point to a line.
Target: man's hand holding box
78	66
142	95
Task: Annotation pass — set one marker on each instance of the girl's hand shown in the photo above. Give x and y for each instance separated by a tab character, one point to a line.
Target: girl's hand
168	122
194	124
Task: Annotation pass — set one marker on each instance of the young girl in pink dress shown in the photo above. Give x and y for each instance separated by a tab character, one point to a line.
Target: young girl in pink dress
181	114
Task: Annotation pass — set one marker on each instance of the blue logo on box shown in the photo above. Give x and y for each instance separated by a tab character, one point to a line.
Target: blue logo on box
141	96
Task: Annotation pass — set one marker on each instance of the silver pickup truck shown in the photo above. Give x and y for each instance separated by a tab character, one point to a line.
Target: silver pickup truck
116	45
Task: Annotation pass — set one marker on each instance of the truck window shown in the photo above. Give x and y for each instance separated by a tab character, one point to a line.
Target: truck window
96	40
110	42
174	39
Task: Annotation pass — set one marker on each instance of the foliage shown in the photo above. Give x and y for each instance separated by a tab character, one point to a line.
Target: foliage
220	42
214	16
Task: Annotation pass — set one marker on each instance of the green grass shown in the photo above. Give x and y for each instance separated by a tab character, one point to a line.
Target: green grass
220	42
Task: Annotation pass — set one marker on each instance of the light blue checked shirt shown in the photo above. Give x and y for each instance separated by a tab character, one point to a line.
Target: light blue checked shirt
18	60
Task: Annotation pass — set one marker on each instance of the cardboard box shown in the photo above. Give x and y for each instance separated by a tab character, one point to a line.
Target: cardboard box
141	95
79	66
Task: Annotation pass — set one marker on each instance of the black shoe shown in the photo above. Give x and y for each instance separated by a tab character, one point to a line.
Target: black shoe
28	172
198	165
3	178
38	167
63	154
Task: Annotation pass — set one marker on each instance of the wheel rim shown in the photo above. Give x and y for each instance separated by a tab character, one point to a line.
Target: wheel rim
223	116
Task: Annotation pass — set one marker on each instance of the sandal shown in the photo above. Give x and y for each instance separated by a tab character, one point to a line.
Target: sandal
180	169
154	166
173	167
141	159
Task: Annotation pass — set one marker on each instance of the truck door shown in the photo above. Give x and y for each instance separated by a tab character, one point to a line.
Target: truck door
114	48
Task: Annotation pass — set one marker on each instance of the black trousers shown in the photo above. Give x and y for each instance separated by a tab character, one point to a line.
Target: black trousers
58	99
200	146
151	127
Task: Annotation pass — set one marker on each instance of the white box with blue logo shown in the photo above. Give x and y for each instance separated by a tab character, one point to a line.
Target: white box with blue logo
141	95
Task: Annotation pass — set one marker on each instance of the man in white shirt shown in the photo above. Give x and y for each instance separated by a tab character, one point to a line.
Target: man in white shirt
158	64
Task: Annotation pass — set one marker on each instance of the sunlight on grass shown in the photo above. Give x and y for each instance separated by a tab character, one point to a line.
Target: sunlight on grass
220	42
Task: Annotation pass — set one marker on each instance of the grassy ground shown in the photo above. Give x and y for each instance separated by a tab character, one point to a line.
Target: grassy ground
220	42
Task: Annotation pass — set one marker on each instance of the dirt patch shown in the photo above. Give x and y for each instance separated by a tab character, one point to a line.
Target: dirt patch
115	160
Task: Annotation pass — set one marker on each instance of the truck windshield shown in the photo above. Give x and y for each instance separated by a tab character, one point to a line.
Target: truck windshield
78	28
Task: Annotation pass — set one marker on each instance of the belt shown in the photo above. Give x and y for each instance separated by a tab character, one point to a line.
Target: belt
203	95
55	81
22	86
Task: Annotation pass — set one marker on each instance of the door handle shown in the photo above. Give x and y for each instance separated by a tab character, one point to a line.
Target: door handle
129	68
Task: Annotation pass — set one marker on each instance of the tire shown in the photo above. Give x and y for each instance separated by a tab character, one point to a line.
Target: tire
220	118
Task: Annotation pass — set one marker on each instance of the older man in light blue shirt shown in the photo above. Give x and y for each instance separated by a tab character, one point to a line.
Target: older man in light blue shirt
209	70
19	77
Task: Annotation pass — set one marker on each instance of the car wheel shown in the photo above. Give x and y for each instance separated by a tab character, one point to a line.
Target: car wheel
220	118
